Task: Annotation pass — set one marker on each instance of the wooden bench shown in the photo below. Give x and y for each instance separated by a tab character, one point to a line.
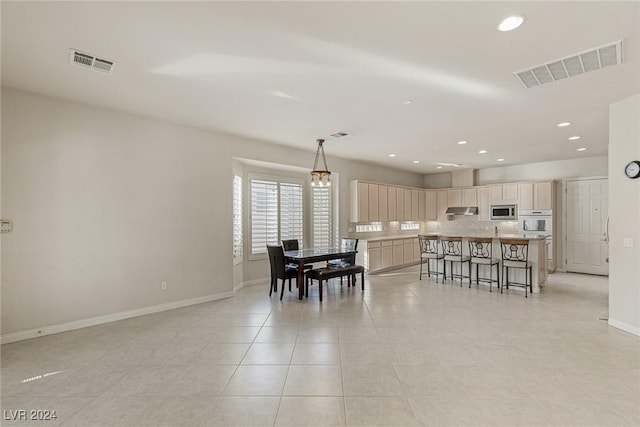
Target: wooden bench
326	273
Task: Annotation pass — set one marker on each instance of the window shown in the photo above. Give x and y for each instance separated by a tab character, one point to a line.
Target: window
321	216
276	213
237	219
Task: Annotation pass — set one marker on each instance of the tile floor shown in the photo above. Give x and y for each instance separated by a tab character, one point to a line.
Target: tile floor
404	352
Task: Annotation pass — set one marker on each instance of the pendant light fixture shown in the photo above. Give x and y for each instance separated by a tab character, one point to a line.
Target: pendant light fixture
320	177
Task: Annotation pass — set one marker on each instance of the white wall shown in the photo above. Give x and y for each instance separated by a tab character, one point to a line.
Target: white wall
624	208
544	171
107	205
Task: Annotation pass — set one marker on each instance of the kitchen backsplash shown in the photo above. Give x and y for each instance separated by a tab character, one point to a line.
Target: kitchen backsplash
471	224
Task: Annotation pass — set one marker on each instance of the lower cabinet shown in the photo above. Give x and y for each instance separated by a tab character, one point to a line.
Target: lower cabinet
385	254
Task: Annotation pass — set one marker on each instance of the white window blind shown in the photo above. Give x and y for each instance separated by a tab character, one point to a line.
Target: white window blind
264	215
321	217
291	220
237	218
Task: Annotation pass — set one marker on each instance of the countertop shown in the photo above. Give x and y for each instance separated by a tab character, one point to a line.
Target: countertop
459	234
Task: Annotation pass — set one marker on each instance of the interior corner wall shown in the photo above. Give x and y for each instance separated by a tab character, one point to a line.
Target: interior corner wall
107	205
624	211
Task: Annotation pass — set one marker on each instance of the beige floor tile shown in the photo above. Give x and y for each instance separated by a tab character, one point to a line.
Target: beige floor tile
269	354
223	353
257	380
316	354
278	334
488	382
313	380
364	354
371	380
375	411
457	411
311	411
317	335
429	381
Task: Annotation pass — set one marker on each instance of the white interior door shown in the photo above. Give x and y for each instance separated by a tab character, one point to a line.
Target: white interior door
587	210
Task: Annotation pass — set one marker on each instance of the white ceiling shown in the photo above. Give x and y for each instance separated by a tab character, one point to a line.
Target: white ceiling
291	72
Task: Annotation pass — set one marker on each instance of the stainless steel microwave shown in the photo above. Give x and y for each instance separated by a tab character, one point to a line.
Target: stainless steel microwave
504	212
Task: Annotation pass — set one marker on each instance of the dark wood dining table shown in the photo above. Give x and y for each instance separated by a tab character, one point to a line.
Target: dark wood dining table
311	255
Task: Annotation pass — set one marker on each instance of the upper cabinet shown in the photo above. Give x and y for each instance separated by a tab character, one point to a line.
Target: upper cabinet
442	203
374	208
525	196
543	195
383	203
484	203
422	205
431	205
454	198
392	203
469	197
535	195
503	193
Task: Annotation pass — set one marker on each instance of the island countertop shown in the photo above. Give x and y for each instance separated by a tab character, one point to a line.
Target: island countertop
455	234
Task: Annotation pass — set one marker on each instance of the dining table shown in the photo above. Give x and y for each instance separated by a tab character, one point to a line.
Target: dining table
312	255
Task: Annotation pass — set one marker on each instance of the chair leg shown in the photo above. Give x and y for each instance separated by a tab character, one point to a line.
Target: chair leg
320	288
421	261
282	290
362	280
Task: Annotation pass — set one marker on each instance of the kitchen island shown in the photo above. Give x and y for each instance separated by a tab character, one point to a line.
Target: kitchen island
380	254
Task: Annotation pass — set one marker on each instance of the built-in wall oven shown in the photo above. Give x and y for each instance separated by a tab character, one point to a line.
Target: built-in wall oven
537	223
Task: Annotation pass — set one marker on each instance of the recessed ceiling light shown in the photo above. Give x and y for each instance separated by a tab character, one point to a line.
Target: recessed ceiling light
573	138
462	142
438	167
407	102
392	155
482	152
581	149
499	160
510	23
416	161
563	124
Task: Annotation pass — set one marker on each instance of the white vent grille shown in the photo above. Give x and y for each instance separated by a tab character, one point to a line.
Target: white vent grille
570	66
339	134
86	60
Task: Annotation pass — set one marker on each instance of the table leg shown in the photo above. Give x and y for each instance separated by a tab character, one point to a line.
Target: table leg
300	280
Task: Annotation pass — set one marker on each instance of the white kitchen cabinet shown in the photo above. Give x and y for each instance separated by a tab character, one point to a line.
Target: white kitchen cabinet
400	204
392	203
373	202
469	197
415	205
484	204
416	250
359	201
431	205
383	203
525	196
543	195
374	256
454	197
407	251
442	202
422	205
398	252
407	204
387	254
495	193
510	193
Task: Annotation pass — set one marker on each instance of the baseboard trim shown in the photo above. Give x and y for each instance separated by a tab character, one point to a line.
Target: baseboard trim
93	321
254	282
635	330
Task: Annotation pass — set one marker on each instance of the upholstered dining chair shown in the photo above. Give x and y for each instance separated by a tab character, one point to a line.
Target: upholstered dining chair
279	269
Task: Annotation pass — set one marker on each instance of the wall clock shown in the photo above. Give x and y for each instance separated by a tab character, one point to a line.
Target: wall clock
632	170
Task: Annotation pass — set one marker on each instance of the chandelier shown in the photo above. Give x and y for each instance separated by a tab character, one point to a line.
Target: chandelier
320	177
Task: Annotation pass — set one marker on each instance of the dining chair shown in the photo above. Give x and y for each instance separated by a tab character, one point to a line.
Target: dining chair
293	245
515	254
452	251
481	253
429	251
279	269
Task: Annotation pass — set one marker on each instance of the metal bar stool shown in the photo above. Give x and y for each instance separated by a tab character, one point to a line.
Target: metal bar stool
515	253
452	251
429	251
481	252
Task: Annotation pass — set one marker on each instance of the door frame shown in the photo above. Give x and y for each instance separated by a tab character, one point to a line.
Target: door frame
565	219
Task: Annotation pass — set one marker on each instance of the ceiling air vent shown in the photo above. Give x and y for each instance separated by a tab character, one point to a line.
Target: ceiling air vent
574	65
339	134
86	60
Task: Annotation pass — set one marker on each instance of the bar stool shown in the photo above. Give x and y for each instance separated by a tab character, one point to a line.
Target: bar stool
452	251
481	252
429	251
515	253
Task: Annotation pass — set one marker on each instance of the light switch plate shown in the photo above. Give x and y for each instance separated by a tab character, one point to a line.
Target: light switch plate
628	242
6	225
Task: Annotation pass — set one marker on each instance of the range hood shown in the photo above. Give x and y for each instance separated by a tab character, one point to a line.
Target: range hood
463	210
